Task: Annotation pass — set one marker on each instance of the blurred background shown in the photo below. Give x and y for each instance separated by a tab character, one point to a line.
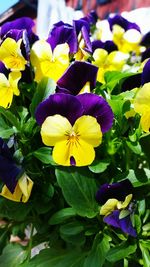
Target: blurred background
47	12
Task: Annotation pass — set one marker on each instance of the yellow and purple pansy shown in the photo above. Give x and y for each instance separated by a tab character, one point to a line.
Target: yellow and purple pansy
74	126
17	185
117	205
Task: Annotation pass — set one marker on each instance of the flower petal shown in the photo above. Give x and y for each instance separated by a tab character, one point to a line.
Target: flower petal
88	130
121	21
54	130
76	76
97	107
142	99
6	93
116	190
145	74
64	154
66	105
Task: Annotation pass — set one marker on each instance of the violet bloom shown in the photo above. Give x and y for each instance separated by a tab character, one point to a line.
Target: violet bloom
117	205
63	33
121	21
9	171
109	45
78	76
74	126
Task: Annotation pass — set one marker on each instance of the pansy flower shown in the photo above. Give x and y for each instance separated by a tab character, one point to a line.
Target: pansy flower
18	185
126	35
74	126
47	63
80	77
116	201
108	62
11	55
8	85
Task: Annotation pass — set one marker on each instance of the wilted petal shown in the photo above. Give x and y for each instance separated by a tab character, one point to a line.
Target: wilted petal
116	190
64	104
76	76
97	107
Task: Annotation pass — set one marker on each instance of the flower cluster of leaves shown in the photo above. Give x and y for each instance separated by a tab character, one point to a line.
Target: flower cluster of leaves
62	212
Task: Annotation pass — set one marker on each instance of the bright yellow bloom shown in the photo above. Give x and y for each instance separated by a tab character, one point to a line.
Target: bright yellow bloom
142	106
81	54
72	143
113	204
49	64
127	41
22	191
8	88
11	56
108	62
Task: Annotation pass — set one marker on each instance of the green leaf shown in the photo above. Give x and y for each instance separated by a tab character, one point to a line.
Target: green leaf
145	144
135	147
12	120
62	215
121	251
13	255
79	190
6	133
73	233
55	258
99	166
44	89
97	256
44	155
145	254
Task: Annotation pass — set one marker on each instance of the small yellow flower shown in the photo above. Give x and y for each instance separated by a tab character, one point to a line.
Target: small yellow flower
73	145
22	191
48	63
8	88
11	56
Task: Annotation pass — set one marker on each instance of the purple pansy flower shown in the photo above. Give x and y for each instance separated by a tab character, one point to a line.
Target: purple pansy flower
76	76
73	107
9	171
63	33
124	23
114	199
145	74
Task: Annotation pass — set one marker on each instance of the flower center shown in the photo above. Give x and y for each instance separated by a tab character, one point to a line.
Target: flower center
73	137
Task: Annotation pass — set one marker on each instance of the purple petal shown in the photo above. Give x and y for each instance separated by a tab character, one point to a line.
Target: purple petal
146	73
124	23
127	227
91	18
64	104
97	107
145	54
8	169
78	24
131	82
76	77
23	23
87	41
116	190
63	33
146	40
109	46
124	224
3	69
113	219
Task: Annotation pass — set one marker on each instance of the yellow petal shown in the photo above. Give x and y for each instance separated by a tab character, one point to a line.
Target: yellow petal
14	78
41	50
82	152
109	206
116	60
99	55
123	205
132	36
54	129
61	53
142	99
88	130
6	92
145	121
22	191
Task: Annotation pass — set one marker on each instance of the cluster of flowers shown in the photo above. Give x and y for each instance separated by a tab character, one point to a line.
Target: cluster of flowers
74	118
